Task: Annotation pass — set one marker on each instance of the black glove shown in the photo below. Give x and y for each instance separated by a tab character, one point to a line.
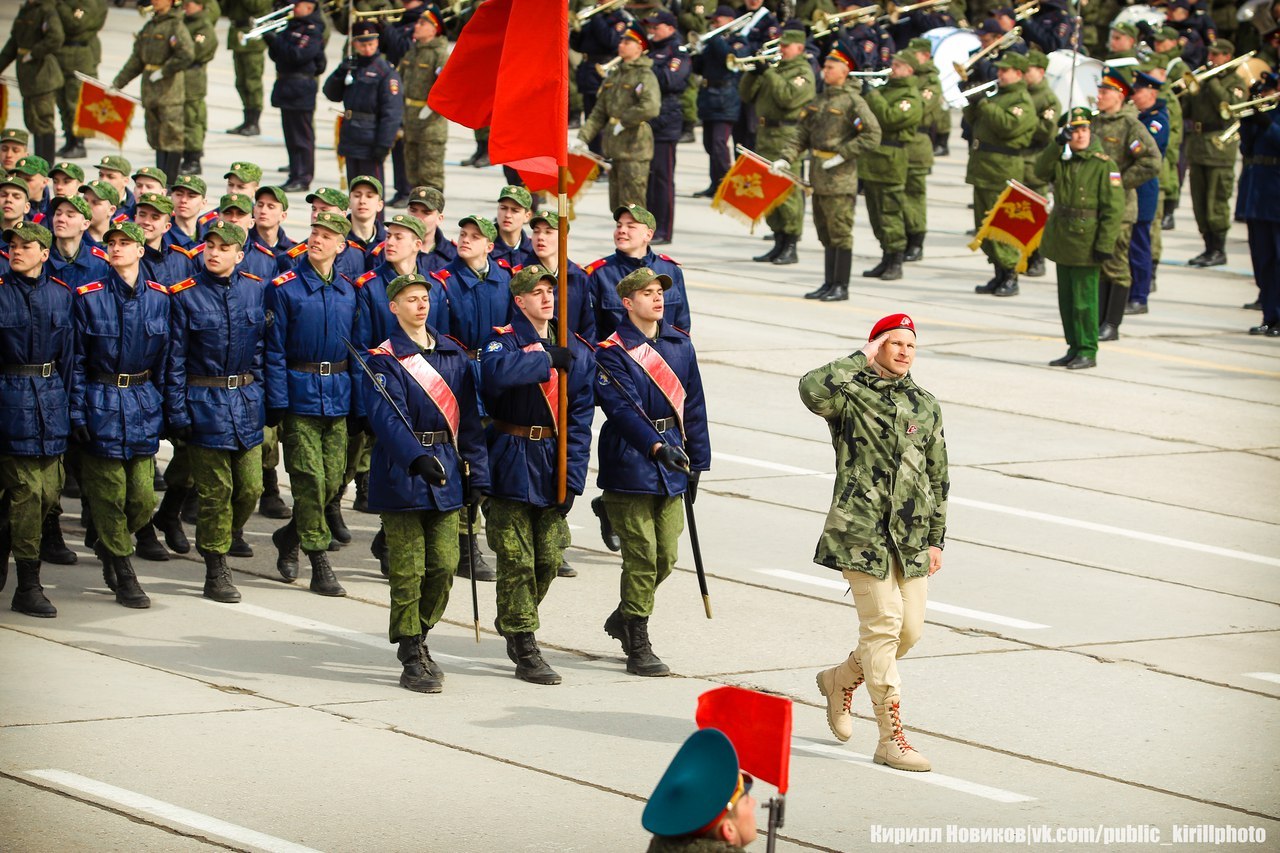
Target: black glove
474	496
1064	136
564	508
182	433
694	476
429	468
357	425
80	434
275	416
1101	257
672	458
380	154
561	357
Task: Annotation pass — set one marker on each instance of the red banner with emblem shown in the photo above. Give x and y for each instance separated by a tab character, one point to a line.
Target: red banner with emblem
750	192
1017	219
101	111
583	169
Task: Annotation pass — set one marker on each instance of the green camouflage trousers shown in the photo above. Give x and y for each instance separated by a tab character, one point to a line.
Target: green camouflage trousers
915	210
315	455
32	485
1115	270
39	112
788	217
833	220
628	182
71	60
121	495
1157	233
1000	254
248	65
530	543
423	548
195	123
177	474
649	527
359	448
424	145
228	485
270	448
885	203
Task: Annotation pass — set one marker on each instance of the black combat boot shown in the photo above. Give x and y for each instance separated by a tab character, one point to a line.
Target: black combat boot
482	155
108	567
168	519
158	483
217	579
566	570
476	565
323	581
190	163
128	592
992	283
29	596
841	266
239	547
1035	265
530	666
1008	285
773	252
640	657
333	518
53	548
148	547
286	541
361	503
378	548
47	147
271	504
878	269
893	270
607	534
788	253
248	127
615	626
415	676
428	662
1216	255
828	267
915	248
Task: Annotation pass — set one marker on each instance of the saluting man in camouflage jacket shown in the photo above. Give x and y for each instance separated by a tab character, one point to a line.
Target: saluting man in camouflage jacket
424	131
162	52
81	51
34	42
899	109
887	523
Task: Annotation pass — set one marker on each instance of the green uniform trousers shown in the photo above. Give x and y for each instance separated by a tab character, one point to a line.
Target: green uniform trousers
424	161
628	183
270	448
315	455
71	60
788	217
228	485
423	548
163	123
359	448
885	209
649	527
1157	233
121	496
195	123
1078	307
1000	254
915	207
248	65
1115	270
32	485
833	220
1211	197
38	112
530	543
177	474
689	101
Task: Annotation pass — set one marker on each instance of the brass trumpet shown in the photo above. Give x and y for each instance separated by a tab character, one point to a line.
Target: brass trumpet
274	25
1191	80
1026	10
964	69
698	41
831	23
1230	133
1230	112
746	63
377	14
969	94
897	11
603	68
585	15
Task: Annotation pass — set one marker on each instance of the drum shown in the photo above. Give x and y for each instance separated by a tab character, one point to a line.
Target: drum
1149	15
1088	75
1252	69
951	45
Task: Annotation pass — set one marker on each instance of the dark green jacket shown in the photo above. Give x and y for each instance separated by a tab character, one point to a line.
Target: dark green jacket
899	109
34	42
838	121
81	22
418	70
162	50
920	148
1088	199
1133	150
628	98
1003	125
241	13
780	93
204	44
1204	148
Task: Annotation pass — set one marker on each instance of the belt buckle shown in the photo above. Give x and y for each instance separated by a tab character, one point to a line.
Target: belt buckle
122	380
535	433
427	439
326	368
233	382
46	370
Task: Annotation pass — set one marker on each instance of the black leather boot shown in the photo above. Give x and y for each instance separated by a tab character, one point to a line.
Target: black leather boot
992	283
878	269
361	503
1008	285
640	657
841	266
414	675
271	504
29	597
477	564
53	548
323	580
566	570
128	591
190	163
148	547
828	271
893	271
286	541
333	518
168	519
788	254
239	547
915	248
1035	265
1216	256
773	252
248	127
428	662
607	535
530	666
217	579
615	626
108	567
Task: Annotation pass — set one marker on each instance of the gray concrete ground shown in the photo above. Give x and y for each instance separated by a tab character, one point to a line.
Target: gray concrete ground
1102	654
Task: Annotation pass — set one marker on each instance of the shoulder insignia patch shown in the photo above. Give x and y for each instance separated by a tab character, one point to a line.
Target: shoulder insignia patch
118	218
352	244
281	279
155	285
98	252
91	287
505	264
265	250
1115	179
208	217
54	278
494	346
394	85
605	344
250	276
364	279
1136	146
188	253
669	258
516	268
441	276
182	285
296	250
595	265
1016	110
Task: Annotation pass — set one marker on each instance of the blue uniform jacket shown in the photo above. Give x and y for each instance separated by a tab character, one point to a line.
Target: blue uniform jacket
308	322
298	53
672	68
171	263
598	39
522	469
439	256
511	258
259	262
1259	184
284	251
367	253
89	264
217	328
604	276
391	487
627	436
124	210
718	98
35	328
475	306
1155	120
582	318
120	329
374	104
374	320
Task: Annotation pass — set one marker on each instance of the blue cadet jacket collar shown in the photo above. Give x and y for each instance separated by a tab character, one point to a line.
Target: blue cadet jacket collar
524	332
311	277
631	264
403	346
632	336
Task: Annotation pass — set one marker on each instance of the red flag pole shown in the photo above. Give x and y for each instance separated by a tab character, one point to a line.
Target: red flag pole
562	294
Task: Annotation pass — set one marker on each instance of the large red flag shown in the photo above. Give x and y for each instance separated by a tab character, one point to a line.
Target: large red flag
758	725
509	71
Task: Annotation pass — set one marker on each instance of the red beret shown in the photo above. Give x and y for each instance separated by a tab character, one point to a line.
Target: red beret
888	324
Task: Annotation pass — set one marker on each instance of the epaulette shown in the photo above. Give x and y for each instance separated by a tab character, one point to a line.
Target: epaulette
505	264
91	287
38	218
441	276
669	258
250	275
98	252
681	331
155	285
281	279
515	269
352	244
265	250
207	218
605	344
364	279
59	281
296	250
504	330
595	265
1101	155
118	218
381	351
590	345
190	254
460	344
182	285
377	250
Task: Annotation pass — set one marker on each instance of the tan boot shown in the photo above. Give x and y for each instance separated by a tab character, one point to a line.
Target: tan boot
894	749
837	685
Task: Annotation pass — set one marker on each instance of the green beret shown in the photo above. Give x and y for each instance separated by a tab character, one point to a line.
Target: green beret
330	196
411	222
1222	46
13	134
400	282
81	206
16	183
339	225
236	201
154	173
1080	117
548	216
486	227
1016	61
429	197
527	279
921	45
638	213
792	37
31	232
162	203
129	229
639	280
280	196
1125	28
230	234
250	173
908	59
366	179
32	165
192	183
103	190
1037	59
115	163
71	170
519	195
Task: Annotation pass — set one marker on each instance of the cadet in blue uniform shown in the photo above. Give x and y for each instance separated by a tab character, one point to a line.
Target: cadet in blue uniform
369	88
115	170
417	479
653	447
298	53
36	357
1154	116
73	259
546	251
188	195
312	309
375	321
270	207
122	333
438	251
215	376
164	260
512	249
672	67
703	802
1259	189
259	261
632	236
522	369
364	200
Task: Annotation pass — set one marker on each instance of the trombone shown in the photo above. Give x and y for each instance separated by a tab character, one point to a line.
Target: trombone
968	94
1191	80
1233	112
831	23
585	15
273	23
698	41
1026	10
963	69
748	63
897	11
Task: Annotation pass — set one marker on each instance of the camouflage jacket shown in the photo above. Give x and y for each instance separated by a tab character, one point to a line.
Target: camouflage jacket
1204	145
1003	125
920	148
629	97
34	43
204	44
890	495
418	71
81	22
1126	141
838	121
162	50
898	108
780	93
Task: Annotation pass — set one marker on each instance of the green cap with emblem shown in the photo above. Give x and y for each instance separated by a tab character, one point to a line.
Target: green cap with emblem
191	183
400	282
249	173
527	279
14	134
548	216
1036	58
639	280
115	163
1080	117
228	233
30	232
155	173
131	230
336	223
791	37
412	223
367	180
1166	34
71	170
279	195
161	203
103	190
329	196
519	195
920	45
1016	61
486	227
236	201
1125	28
1222	46
81	206
16	183
638	213
908	59
32	165
429	197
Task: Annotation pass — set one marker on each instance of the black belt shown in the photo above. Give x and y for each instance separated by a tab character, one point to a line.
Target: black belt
776	122
1262	161
718	84
231	383
324	368
1076	213
664	424
1202	127
889	143
120	380
75	44
42	370
295	75
979	145
533	433
356	114
426	439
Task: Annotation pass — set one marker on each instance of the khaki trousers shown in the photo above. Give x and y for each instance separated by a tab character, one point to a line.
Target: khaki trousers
890	619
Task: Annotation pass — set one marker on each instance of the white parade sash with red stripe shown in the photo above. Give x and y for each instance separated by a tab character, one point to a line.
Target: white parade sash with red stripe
550	388
430	380
657	369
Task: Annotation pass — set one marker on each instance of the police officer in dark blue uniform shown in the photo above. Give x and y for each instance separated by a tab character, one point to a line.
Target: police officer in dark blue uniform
1259	189
864	41
396	39
1052	28
672	67
1154	115
598	41
369	88
298	53
632	235
916	23
718	102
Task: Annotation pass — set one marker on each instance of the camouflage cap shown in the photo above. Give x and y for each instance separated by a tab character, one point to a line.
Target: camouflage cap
908	59
71	170
228	233
155	173
528	277
1125	28
236	201
279	195
429	197
486	227
131	230
369	180
548	216
329	196
639	280
32	165
31	232
1036	58
519	195
336	223
16	183
638	213
790	36
103	190
81	206
920	45
115	163
1222	46
1016	61
191	183
400	282
412	223
14	134
161	203
250	173
1166	34
1080	117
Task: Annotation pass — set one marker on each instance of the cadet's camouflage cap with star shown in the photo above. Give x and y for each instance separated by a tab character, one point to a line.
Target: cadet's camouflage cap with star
639	280
329	196
527	279
409	222
71	170
30	232
550	217
14	134
249	173
487	228
519	195
32	165
81	206
190	183
131	231
1037	59
155	173
16	183
400	282
161	203
236	201
279	195
638	213
103	190
1016	61
227	233
115	163
429	197
367	180
334	222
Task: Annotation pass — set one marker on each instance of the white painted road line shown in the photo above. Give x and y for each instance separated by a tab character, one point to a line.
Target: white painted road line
1273	677
168	812
977	615
1031	514
964	786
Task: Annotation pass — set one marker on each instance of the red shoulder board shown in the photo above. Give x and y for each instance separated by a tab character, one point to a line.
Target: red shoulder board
195	250
38	218
182	285
669	258
606	343
155	285
504	330
208	217
281	279
380	351
59	281
595	265
505	264
268	252
352	244
584	340
248	275
296	250
88	288
441	276
377	250
514	269
118	218
188	253
364	279
97	252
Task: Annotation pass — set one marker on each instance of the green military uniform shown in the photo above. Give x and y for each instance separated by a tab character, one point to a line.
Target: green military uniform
530	542
315	452
1171	182
780	94
629	97
81	50
812	11
247	59
229	483
195	114
1083	227
1212	161
649	527
1130	146
1097	16
1170	190
915	207
162	52
34	42
899	109
1047	109
425	131
421	538
122	496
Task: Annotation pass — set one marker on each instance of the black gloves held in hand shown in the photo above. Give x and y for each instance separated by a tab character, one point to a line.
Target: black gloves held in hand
182	433
275	416
561	357
672	458
429	468
694	476
80	434
357	424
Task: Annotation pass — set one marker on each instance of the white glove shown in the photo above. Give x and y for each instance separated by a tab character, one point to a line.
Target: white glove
777	167
618	128
425	112
28	58
576	145
149	76
832	162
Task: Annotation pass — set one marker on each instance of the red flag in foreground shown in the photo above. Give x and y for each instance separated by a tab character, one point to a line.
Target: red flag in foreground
583	169
759	727
1017	219
749	191
102	113
509	71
